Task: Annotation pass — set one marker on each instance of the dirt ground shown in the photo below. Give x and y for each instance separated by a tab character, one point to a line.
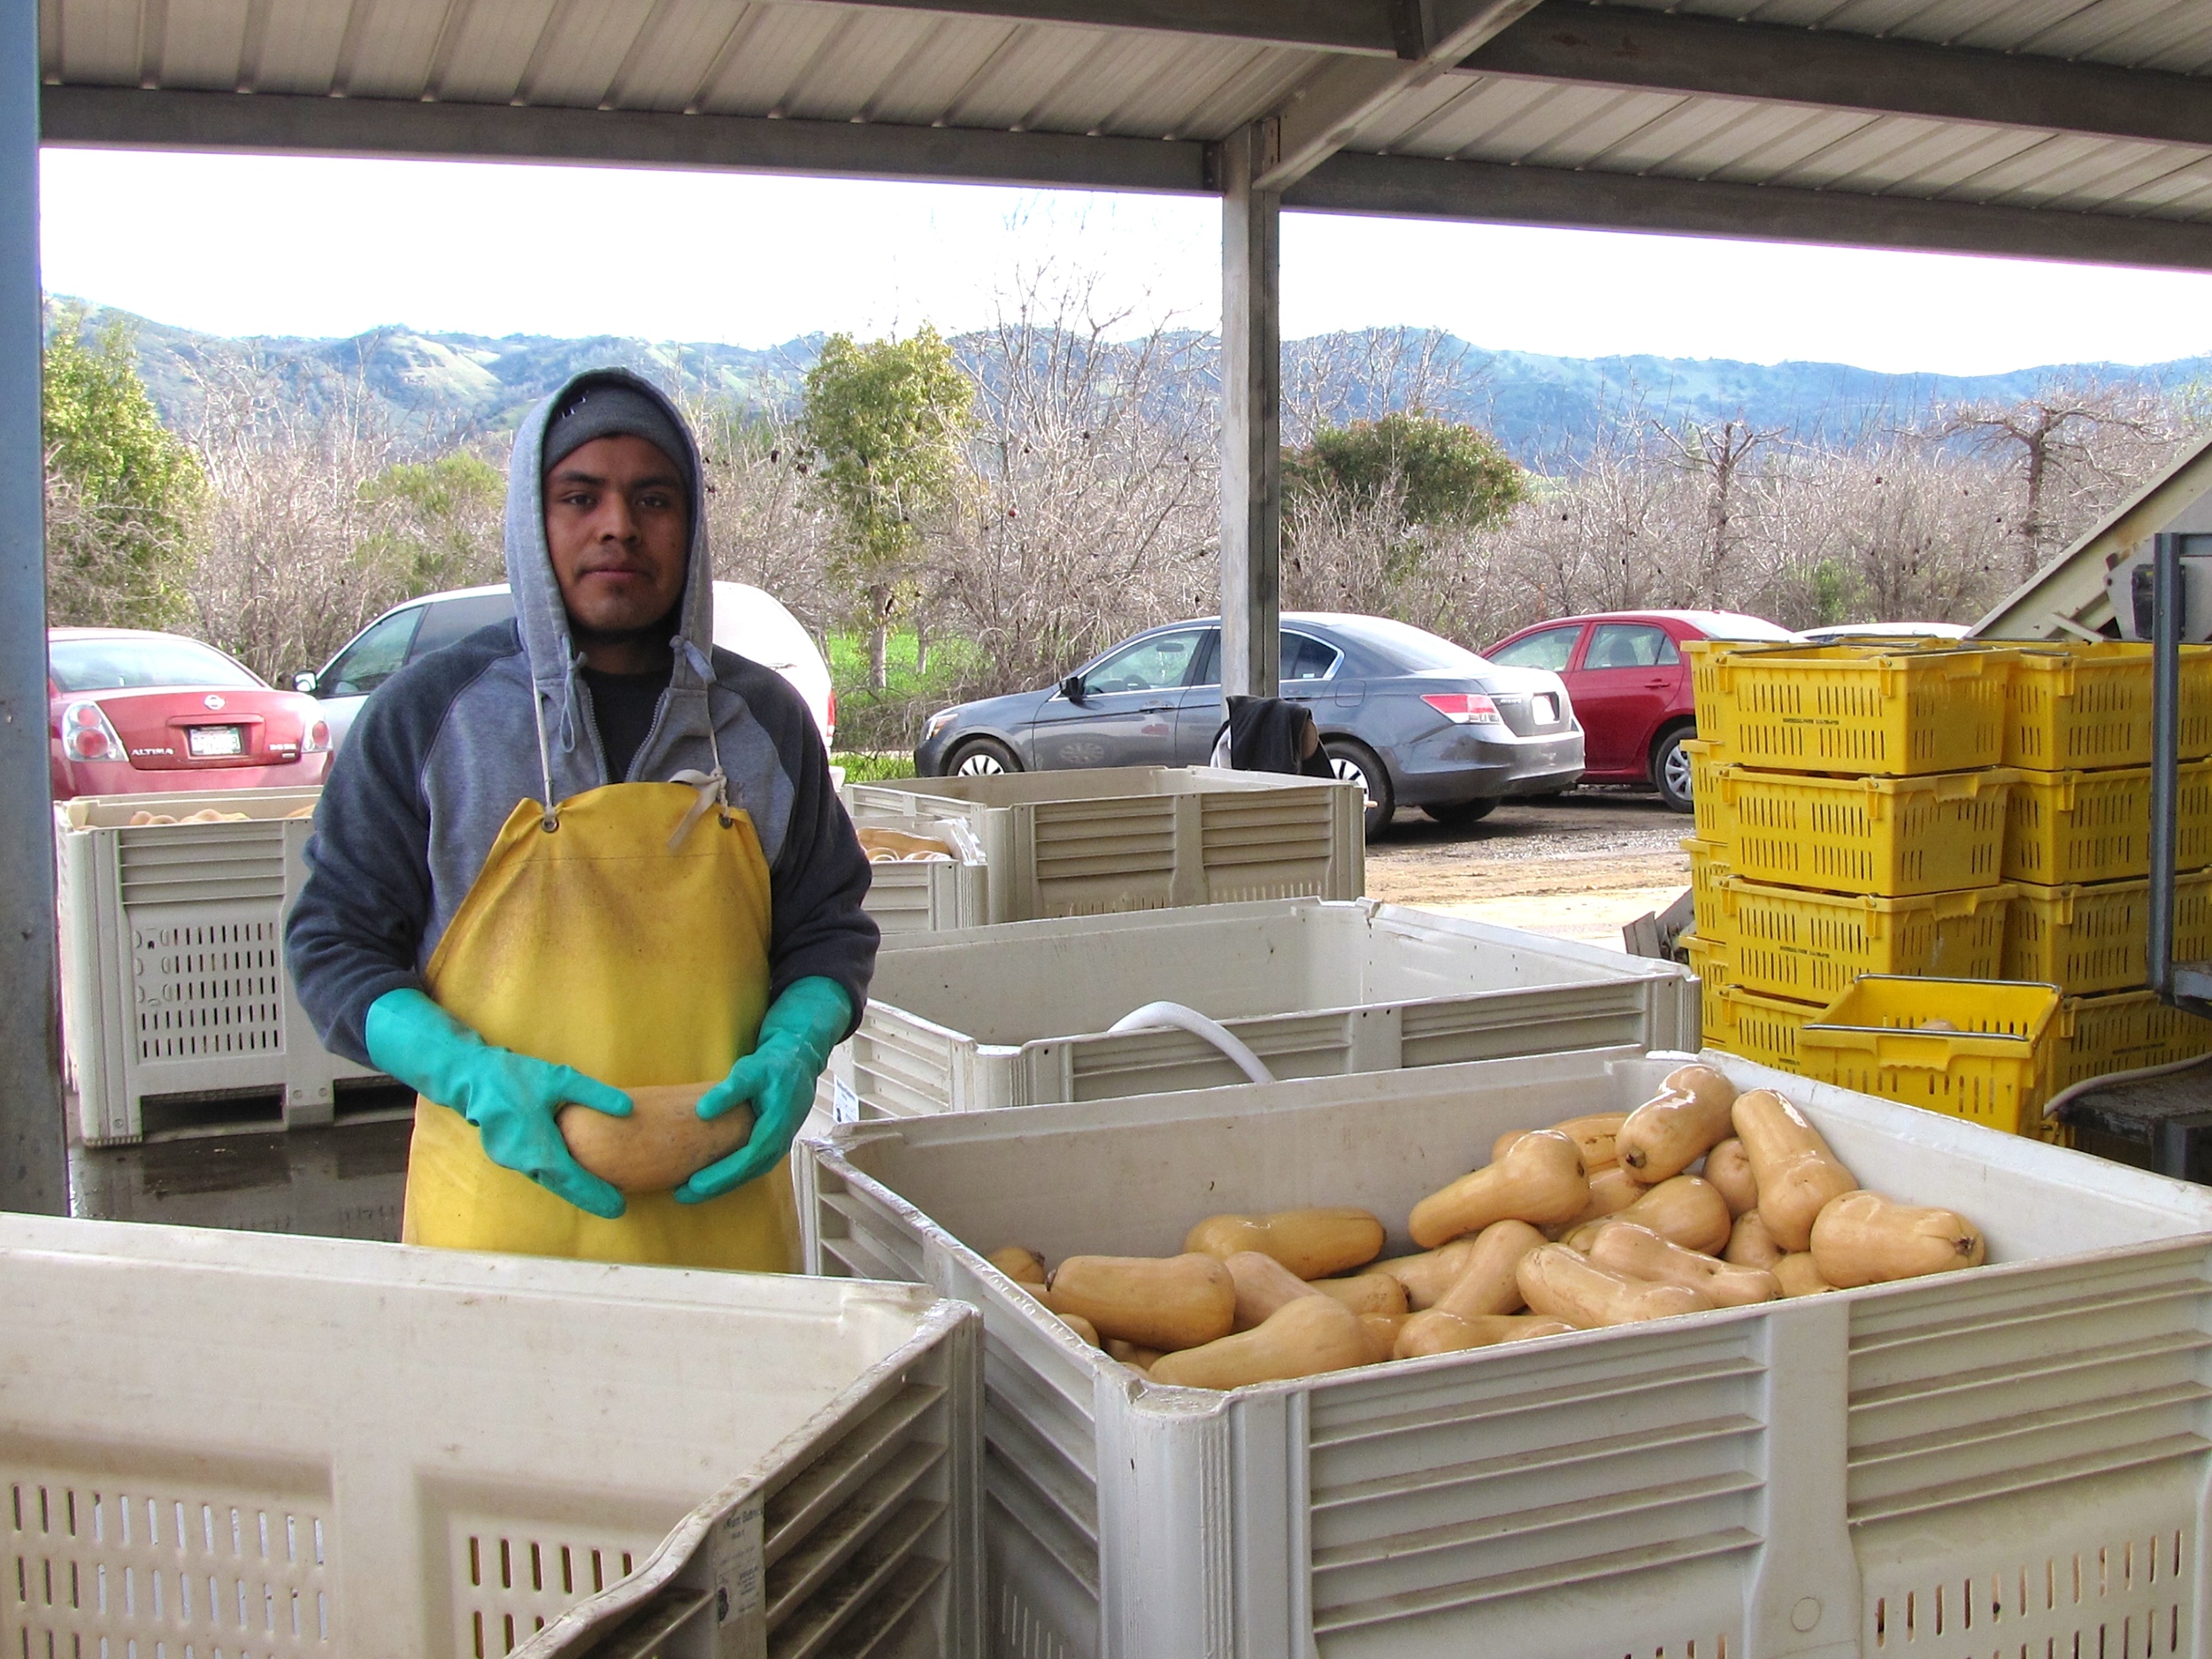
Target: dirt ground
1581	867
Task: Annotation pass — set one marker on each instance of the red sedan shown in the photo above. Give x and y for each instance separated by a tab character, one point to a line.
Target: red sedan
1629	681
133	711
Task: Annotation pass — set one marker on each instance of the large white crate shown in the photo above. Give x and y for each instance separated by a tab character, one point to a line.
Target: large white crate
228	1443
2010	1461
172	959
931	896
1139	837
1018	1015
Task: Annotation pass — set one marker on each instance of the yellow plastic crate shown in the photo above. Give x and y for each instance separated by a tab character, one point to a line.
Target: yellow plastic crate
2120	1032
1708	813
2063	827
1993	1067
2089	939
1872	710
2082	705
1709	868
1811	946
1762	1029
1891	837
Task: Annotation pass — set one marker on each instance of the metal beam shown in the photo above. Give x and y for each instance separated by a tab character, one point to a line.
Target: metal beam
1329	106
1337	26
34	1151
130	118
1660	51
1251	419
1404	187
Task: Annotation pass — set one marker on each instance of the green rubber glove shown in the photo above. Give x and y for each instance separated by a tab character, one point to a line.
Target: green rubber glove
796	1035
510	1098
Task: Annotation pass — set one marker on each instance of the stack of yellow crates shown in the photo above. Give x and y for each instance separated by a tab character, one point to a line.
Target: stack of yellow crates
1851	820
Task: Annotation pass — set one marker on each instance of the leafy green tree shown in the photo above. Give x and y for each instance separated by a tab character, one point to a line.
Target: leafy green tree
884	424
442	523
1430	472
123	494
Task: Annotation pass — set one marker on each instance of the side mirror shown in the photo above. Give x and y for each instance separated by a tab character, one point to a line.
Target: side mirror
1072	687
305	681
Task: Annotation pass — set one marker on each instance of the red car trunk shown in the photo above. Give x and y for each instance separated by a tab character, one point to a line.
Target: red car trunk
167	731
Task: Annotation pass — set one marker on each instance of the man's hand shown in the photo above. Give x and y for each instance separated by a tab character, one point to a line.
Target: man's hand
777	1079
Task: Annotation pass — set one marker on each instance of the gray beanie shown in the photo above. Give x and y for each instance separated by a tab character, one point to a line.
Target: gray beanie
603	408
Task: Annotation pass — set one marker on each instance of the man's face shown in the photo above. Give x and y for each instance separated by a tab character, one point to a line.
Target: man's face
617	525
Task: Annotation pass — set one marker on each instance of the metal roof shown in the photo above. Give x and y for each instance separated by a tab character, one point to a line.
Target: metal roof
2072	128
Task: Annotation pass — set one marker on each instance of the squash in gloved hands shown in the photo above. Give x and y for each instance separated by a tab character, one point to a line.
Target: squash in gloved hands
796	1035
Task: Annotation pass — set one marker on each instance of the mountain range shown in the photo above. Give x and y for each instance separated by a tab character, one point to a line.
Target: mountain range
1540	407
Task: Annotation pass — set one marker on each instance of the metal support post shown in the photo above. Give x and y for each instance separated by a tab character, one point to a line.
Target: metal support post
1251	418
34	1155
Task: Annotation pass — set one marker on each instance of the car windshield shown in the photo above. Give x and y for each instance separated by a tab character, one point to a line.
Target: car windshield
140	662
1415	651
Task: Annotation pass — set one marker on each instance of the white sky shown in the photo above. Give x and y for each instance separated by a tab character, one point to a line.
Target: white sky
241	245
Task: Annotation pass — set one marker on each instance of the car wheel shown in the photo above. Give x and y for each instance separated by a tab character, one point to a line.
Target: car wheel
1462	812
981	758
1356	762
1670	769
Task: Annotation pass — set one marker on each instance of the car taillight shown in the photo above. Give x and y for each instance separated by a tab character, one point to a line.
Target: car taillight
317	738
832	733
86	735
1464	707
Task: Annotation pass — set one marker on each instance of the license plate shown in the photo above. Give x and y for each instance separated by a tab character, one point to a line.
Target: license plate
1547	710
208	742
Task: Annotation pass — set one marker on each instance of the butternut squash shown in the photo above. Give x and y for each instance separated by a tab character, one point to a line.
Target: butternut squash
1163	1302
1430	1274
1081	1326
1487	1284
1796	1171
1024	1267
662	1144
1640	1253
1728	1166
1611	1191
1559	1282
1301	1339
1134	1354
1311	1243
1382	1334
1750	1244
1538	1180
1864	1239
1593	1136
1798	1276
1435	1331
1678	1125
1365	1293
1263	1285
1684	1211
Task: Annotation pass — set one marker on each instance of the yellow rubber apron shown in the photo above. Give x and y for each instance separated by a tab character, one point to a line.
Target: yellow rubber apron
599	945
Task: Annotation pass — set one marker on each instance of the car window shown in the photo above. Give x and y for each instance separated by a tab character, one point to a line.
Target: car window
373	658
1159	664
447	620
1305	657
140	662
1549	648
1630	645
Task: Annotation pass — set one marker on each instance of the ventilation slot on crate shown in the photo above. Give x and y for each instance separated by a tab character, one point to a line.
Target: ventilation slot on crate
86	1566
2060	1606
213	987
507	1585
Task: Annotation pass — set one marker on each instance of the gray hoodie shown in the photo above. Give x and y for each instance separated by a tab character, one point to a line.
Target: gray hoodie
442	752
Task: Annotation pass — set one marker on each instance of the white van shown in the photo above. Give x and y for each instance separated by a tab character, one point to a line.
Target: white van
747	620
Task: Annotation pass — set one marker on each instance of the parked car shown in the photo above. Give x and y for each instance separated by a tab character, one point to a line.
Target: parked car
131	711
1876	632
1630	686
747	620
1414	719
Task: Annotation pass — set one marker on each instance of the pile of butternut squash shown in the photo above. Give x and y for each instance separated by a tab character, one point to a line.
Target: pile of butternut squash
1701	1198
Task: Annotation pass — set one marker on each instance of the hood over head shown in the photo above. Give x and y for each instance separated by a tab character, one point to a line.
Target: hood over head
574	762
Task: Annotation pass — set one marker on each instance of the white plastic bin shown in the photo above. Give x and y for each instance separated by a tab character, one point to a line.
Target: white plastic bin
931	896
222	1442
2008	1461
1018	1015
173	982
1139	837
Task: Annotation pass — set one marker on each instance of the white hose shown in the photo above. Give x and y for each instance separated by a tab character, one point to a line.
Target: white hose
2051	1106
1174	1016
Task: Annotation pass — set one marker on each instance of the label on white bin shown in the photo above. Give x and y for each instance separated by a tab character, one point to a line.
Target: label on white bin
844	1104
740	1600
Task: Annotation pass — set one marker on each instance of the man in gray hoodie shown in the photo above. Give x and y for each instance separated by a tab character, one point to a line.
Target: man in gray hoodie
606	677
